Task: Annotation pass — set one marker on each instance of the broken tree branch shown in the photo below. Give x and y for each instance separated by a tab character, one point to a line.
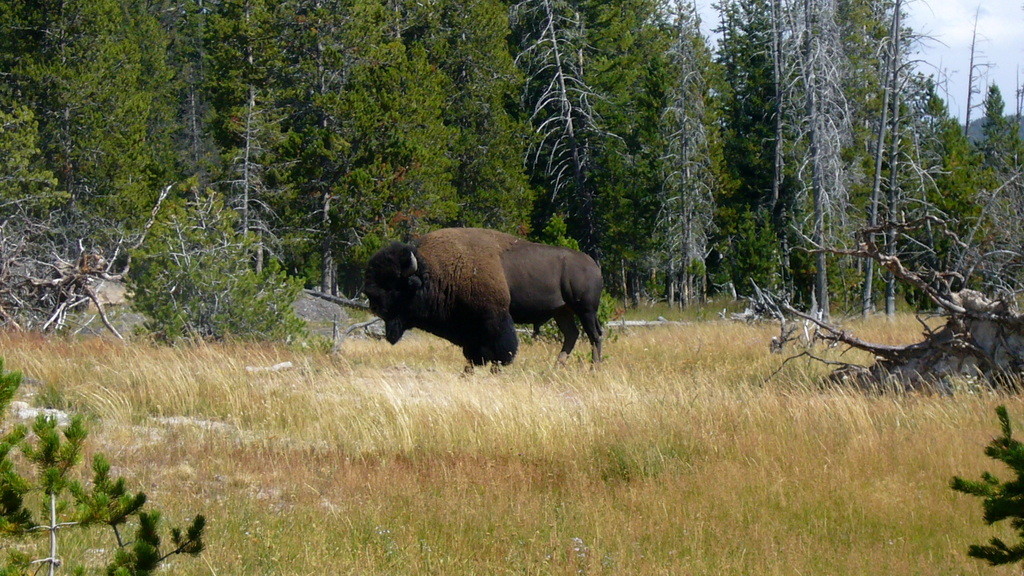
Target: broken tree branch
357	304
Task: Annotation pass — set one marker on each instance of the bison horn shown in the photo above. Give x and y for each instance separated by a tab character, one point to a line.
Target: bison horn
411	268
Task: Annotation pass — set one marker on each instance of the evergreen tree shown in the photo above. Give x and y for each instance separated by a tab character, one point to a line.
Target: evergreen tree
186	23
628	44
1002	158
1001	500
192	279
25	184
15	518
954	182
95	73
242	60
318	58
366	145
53	453
482	85
398	169
1000	144
750	106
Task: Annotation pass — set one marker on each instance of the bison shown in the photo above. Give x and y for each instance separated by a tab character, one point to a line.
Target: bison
470	285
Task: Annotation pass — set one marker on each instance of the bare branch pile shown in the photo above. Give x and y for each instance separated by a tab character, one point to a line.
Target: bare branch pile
41	283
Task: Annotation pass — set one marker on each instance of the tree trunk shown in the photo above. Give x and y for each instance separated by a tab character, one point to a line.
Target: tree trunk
890	283
780	209
328	269
817	185
970	73
889	90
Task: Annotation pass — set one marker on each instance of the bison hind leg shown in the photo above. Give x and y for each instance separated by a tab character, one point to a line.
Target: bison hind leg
570	333
592	326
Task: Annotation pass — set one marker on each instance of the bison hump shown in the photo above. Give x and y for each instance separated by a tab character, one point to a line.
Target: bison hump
466	266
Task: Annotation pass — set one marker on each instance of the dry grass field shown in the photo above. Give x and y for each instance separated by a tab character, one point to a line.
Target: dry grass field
687	452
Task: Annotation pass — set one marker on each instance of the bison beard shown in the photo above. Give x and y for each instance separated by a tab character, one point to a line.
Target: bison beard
393	330
469	285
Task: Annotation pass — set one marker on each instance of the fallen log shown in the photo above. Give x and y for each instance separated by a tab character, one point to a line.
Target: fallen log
972	345
982	338
348	302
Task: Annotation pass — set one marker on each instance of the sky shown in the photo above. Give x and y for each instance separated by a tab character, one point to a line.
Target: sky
946	27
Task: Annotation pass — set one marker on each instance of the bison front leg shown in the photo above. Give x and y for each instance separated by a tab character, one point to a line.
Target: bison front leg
497	343
501	344
474	357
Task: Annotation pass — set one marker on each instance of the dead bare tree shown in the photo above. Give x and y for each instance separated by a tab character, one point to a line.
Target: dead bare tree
782	72
687	199
891	62
40	284
982	337
820	65
973	69
563	114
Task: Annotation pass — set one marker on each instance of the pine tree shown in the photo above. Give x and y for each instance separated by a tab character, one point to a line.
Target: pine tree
186	22
1001	500
193	279
628	43
748	103
470	45
26	185
365	143
15	518
398	169
96	74
752	191
242	58
1002	157
1000	143
53	452
317	63
954	180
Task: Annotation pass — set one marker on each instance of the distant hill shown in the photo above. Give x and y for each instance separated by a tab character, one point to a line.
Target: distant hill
974	131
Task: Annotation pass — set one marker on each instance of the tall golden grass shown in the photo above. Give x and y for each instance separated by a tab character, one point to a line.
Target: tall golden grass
690	450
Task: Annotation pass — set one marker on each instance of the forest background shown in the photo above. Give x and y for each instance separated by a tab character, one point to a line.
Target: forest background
318	130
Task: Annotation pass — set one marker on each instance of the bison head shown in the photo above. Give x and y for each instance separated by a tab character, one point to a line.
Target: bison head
390	286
